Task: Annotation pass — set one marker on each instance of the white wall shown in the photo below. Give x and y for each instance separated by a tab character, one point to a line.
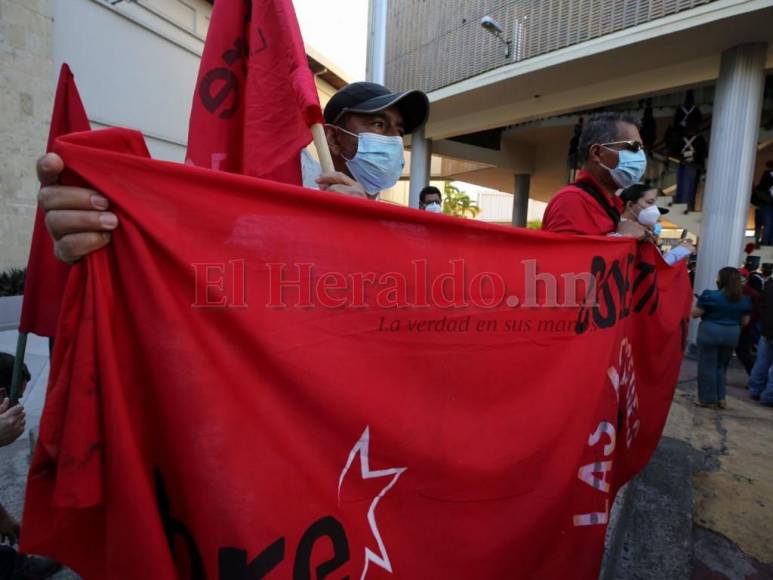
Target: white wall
135	64
497	206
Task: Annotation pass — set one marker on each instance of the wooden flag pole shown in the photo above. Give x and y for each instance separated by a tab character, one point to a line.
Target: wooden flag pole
323	151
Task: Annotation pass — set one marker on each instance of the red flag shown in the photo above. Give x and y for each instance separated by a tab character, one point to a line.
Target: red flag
244	394
255	95
46	275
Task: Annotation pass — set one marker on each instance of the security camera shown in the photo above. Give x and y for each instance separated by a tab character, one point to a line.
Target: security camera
491	25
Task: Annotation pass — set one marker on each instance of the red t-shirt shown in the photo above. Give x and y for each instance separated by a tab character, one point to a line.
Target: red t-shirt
573	210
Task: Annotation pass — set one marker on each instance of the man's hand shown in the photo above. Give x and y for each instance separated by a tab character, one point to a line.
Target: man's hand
341	183
9	528
632	229
12	422
75	217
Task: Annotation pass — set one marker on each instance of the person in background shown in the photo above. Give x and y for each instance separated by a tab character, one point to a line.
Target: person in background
688	114
750	274
750	333
767	272
689	147
692	264
431	200
639	205
612	157
12	419
13	565
649	127
760	383
762	198
722	312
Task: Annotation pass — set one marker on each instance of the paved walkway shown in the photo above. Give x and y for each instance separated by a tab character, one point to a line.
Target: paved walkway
732	480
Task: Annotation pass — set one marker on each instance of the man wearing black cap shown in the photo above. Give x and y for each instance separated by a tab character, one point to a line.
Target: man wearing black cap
365	124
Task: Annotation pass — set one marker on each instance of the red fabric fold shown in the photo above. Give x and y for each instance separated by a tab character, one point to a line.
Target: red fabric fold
199	428
46	275
255	96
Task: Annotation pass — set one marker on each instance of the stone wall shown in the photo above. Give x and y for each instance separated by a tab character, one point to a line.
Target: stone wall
26	95
108	46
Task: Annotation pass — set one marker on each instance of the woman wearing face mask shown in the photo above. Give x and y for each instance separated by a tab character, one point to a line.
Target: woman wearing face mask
639	205
722	312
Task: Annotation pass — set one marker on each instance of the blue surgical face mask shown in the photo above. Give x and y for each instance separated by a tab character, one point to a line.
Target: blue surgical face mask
630	167
434	207
379	161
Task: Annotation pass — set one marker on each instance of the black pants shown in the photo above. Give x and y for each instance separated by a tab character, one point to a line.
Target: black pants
7	560
745	349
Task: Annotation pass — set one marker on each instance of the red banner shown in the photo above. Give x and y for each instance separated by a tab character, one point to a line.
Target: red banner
46	276
286	383
255	96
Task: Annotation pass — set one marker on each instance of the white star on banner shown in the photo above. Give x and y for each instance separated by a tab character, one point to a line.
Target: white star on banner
362	448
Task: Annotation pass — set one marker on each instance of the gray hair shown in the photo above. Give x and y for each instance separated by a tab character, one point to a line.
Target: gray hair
602	128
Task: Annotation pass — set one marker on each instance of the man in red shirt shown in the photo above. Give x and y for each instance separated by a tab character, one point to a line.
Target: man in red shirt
612	158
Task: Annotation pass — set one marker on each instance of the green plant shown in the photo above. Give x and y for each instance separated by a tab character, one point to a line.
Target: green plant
458	203
534	224
12	282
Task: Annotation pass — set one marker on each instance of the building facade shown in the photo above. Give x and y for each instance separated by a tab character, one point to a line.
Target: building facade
135	63
503	107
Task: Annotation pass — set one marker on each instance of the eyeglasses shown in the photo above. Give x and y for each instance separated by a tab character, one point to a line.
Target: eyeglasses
634	146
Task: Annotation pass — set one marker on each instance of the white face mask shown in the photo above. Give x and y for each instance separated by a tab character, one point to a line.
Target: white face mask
649	216
434	207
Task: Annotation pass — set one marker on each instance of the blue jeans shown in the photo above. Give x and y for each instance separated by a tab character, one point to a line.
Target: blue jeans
761	380
716	343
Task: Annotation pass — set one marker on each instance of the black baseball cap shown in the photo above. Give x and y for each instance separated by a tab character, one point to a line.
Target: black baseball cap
369	98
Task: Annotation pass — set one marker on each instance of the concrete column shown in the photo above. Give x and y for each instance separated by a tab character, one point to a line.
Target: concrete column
421	154
732	153
377	23
521	200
